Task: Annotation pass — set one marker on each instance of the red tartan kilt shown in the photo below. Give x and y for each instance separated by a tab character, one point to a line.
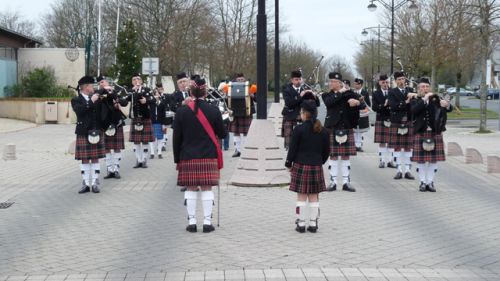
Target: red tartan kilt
116	142
399	142
422	156
348	148
144	136
198	172
382	133
240	125
87	151
307	179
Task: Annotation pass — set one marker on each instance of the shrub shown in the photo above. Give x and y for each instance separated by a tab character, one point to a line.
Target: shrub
39	83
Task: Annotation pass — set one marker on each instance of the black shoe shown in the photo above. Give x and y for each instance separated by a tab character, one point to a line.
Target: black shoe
137	165
312	229
191	228
430	187
398	176
110	175
359	149
348	187
381	165
152	156
226	148
409	176
422	187
95	189
237	154
84	189
160	156
184	189
208	228
391	165
117	175
144	165
300	229
331	187
163	149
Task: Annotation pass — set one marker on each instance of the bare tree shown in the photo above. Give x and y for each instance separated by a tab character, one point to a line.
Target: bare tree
15	21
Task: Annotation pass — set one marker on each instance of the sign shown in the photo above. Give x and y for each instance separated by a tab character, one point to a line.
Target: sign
151	66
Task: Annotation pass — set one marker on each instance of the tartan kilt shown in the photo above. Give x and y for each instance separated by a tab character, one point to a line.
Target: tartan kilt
422	156
240	125
144	136
198	172
87	151
307	179
348	148
158	131
116	142
399	142
287	129
382	133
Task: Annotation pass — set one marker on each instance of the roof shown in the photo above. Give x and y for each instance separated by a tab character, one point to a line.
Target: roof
18	35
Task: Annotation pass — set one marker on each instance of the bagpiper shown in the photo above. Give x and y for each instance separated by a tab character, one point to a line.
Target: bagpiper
197	153
293	94
157	107
342	107
430	116
383	122
364	111
89	145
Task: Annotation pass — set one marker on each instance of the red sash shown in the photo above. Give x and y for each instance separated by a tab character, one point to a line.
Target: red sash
210	131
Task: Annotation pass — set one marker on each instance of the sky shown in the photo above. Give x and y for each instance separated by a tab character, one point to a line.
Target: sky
333	27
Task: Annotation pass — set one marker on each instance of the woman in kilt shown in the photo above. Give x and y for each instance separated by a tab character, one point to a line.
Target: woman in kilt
141	128
197	153
342	116
112	126
430	115
308	151
89	146
382	122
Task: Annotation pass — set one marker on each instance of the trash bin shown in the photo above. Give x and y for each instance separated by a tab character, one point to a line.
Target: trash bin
51	111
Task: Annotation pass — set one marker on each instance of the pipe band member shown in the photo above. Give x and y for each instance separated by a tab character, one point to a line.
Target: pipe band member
430	115
89	146
197	153
364	118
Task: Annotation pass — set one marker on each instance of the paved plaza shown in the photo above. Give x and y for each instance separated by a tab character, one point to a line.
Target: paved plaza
135	228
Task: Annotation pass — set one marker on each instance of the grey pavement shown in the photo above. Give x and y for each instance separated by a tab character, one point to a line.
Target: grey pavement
134	229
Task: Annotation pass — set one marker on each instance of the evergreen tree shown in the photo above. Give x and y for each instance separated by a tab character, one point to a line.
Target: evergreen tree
128	55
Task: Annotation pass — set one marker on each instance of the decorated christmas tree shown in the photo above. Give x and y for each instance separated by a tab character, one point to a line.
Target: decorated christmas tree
128	55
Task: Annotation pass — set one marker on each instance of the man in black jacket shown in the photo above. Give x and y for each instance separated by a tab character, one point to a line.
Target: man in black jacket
380	104
401	139
364	120
293	94
430	115
89	146
157	108
182	92
342	115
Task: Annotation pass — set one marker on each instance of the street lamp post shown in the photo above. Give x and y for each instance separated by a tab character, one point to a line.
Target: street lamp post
392	7
276	51
261	60
372	82
365	33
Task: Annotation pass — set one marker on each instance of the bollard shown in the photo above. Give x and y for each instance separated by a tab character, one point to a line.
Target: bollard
9	152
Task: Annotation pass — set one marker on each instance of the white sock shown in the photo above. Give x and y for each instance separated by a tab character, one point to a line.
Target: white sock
207	198
357	138
390	154
144	153
431	172
85	171
152	147
138	152
109	162
334	169
159	146
237	143
117	157
346	167
313	213
397	155
191	197
300	212
95	171
381	154
407	159
421	169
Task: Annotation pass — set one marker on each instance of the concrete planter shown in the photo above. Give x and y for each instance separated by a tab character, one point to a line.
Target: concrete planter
33	109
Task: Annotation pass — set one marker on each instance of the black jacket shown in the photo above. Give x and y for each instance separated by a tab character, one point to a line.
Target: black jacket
366	96
307	147
430	115
110	114
293	100
157	110
398	106
339	115
139	110
190	139
378	99
177	99
88	114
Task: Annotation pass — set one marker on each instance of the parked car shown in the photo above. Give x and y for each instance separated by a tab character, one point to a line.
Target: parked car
462	91
492	94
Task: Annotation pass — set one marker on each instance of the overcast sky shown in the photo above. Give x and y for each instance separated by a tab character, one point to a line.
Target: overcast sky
333	27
